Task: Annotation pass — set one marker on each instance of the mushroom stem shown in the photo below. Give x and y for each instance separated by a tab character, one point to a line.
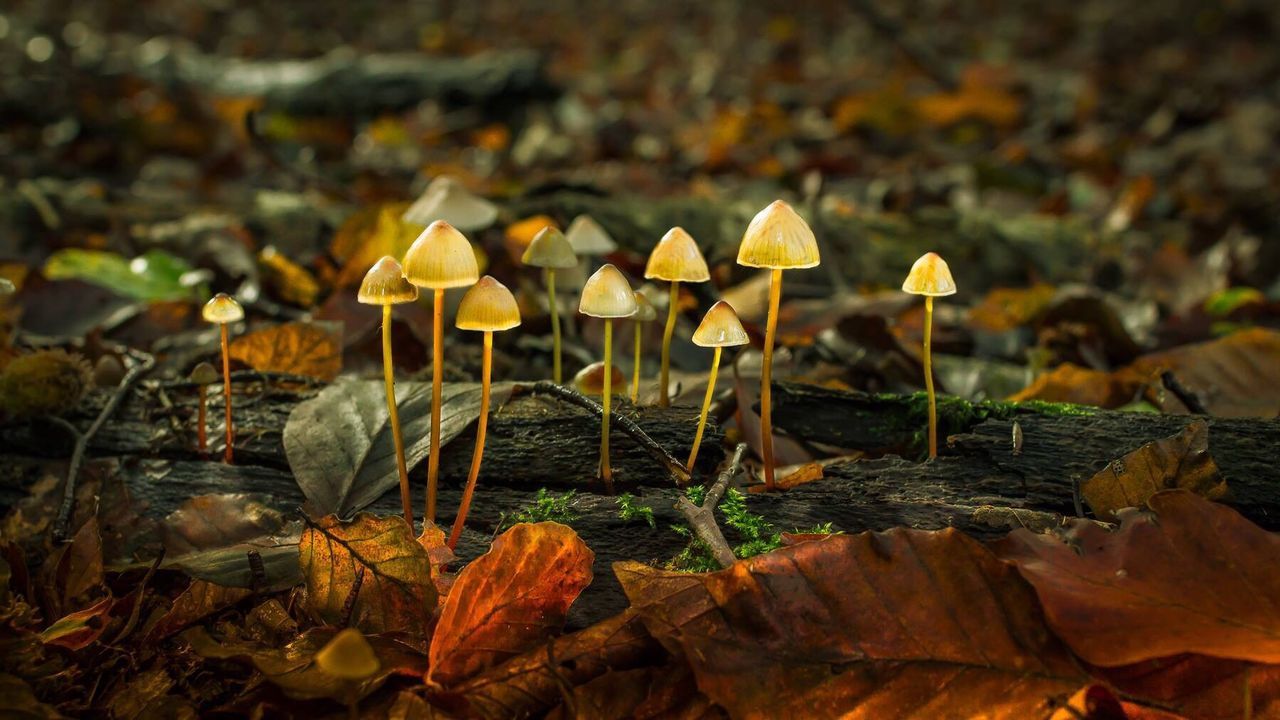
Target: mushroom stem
606	473
928	376
555	323
706	406
202	441
388	373
766	377
667	332
226	390
482	424
437	389
635	370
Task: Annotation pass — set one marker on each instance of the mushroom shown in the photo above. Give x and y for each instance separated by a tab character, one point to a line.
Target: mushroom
675	258
550	251
931	278
644	314
779	239
589	380
488	307
349	658
385	285
588	239
607	295
719	329
203	375
224	310
449	200
439	259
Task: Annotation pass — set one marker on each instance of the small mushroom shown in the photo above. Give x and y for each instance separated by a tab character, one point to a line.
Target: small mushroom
385	285
644	314
588	239
931	278
550	251
203	375
224	310
488	307
589	380
719	329
778	239
607	295
350	658
449	200
675	258
439	259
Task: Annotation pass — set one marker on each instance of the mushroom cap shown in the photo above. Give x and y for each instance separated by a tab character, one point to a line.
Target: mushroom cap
590	380
720	327
384	284
441	258
549	249
930	276
449	200
588	238
677	257
644	309
778	238
488	305
222	308
348	656
203	374
7	287
607	294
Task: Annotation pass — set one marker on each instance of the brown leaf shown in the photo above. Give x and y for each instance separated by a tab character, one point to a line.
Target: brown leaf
299	348
1097	702
396	595
1178	461
901	624
74	569
368	235
509	600
205	522
291	282
139	693
79	629
1194	577
200	600
17	698
668	693
1201	687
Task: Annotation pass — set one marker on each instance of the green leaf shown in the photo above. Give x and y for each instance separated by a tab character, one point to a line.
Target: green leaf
155	275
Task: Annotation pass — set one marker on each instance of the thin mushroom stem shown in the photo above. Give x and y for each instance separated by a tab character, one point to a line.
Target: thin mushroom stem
388	373
202	440
437	389
928	376
667	332
606	473
766	377
226	390
555	323
482	424
706	405
635	370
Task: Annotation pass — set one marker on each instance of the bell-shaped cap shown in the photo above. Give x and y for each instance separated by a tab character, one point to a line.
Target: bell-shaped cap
720	327
644	309
590	380
549	249
930	276
348	656
488	305
222	308
449	200
677	257
203	374
778	238
440	258
587	237
384	284
607	294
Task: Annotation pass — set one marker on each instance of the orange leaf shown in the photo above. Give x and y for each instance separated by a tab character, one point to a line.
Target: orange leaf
1200	687
368	235
197	602
1178	461
79	629
298	348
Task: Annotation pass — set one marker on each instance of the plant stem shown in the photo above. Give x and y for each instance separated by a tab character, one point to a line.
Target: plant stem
928	376
437	389
406	498
226	390
482	424
202	439
635	371
605	472
766	377
667	332
706	405
555	323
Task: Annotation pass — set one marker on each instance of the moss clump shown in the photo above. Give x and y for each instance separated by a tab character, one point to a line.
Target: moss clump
544	508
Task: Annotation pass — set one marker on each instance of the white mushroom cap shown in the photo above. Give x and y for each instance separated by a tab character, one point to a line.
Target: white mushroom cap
549	249
644	309
449	200
587	237
607	294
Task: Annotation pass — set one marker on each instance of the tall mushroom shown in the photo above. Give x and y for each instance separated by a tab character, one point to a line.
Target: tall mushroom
778	239
675	258
644	314
224	310
439	259
488	307
719	329
385	285
550	251
607	295
931	278
203	375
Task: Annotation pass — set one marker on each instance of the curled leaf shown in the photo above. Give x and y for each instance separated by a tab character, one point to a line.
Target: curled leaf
1180	461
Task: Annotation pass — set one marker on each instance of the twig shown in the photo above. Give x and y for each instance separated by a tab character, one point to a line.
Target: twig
257	571
1075	496
137	602
1183	393
349	605
703	520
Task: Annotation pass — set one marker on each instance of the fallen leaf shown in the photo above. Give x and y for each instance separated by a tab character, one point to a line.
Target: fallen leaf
200	600
155	275
76	568
291	282
1234	376
1068	383
1201	687
79	629
641	694
1179	461
206	522
367	236
1005	309
138	694
983	95
298	348
230	566
1097	702
17	697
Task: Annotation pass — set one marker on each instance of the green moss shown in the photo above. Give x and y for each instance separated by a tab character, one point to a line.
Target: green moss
544	508
629	510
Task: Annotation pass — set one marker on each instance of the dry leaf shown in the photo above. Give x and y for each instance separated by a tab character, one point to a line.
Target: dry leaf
205	522
200	600
1180	461
367	236
1201	687
298	348
79	629
651	693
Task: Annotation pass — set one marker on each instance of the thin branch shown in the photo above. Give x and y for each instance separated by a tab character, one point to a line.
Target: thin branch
703	519
141	592
349	605
1183	393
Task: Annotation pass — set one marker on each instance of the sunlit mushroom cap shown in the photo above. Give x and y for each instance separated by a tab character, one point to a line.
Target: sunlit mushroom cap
677	257
449	200
720	327
7	287
549	249
384	284
441	257
590	380
930	276
204	374
488	305
222	308
644	309
587	237
348	656
607	294
778	238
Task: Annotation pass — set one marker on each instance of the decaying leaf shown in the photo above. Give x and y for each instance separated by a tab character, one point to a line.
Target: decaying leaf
200	600
297	348
649	693
1200	687
74	569
1180	461
80	628
230	566
156	275
206	522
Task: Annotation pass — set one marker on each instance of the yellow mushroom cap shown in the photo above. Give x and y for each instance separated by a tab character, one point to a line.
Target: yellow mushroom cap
644	309
587	237
449	200
778	238
222	308
488	305
440	258
384	284
590	380
607	294
720	327
930	276
677	257
549	249
348	656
